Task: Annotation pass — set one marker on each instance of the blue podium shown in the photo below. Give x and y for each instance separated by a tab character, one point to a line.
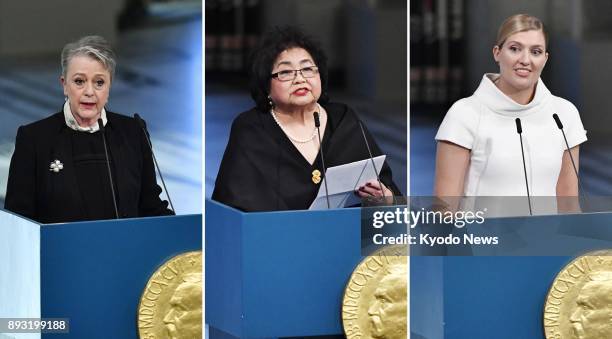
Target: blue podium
283	274
90	272
278	274
500	297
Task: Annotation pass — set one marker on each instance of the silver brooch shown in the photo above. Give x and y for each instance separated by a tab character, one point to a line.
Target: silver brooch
56	166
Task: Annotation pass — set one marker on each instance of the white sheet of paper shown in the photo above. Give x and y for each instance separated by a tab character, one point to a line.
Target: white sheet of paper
344	180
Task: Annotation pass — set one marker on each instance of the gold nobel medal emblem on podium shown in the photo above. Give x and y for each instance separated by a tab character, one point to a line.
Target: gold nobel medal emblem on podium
171	304
374	303
579	302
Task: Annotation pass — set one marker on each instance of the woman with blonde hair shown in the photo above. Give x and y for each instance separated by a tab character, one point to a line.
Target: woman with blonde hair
478	147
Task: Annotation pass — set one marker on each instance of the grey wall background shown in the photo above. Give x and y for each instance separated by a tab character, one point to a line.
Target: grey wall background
39	27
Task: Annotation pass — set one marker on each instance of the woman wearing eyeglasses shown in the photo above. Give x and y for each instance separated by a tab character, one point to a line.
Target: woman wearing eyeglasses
272	160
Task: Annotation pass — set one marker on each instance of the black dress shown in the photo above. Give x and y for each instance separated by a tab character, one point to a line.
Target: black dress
262	170
70	194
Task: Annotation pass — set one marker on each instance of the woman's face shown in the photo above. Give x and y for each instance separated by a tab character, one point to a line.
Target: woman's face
87	85
521	59
298	92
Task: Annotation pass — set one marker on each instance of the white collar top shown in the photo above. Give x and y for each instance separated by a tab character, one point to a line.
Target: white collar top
500	103
72	123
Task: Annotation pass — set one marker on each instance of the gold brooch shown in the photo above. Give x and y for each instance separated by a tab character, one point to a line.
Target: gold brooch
316	176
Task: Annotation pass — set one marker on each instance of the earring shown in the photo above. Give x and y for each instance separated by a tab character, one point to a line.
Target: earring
270	102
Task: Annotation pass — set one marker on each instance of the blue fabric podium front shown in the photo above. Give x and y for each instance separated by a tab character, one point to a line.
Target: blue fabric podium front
278	274
498	297
94	273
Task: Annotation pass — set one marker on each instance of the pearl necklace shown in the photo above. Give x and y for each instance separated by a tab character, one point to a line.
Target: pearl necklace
297	141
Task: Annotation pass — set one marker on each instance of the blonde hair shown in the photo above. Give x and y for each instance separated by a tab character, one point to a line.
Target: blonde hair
519	23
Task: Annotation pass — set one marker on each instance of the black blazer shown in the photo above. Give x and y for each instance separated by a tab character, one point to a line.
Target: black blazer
262	170
45	196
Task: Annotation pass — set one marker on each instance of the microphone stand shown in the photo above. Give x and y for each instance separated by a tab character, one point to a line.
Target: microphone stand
373	164
146	133
519	130
318	126
560	126
110	175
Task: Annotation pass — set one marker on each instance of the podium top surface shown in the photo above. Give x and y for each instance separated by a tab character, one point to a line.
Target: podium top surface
230	208
8	214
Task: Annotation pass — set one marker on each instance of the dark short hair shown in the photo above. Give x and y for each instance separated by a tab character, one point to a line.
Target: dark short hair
272	44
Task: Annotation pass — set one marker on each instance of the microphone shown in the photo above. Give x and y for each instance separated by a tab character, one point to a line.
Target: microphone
519	130
318	126
372	160
143	126
110	174
560	126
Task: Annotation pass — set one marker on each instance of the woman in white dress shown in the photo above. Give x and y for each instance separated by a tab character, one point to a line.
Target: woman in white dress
478	147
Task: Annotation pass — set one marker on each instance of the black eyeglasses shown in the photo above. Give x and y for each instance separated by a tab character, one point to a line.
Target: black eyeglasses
290	74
